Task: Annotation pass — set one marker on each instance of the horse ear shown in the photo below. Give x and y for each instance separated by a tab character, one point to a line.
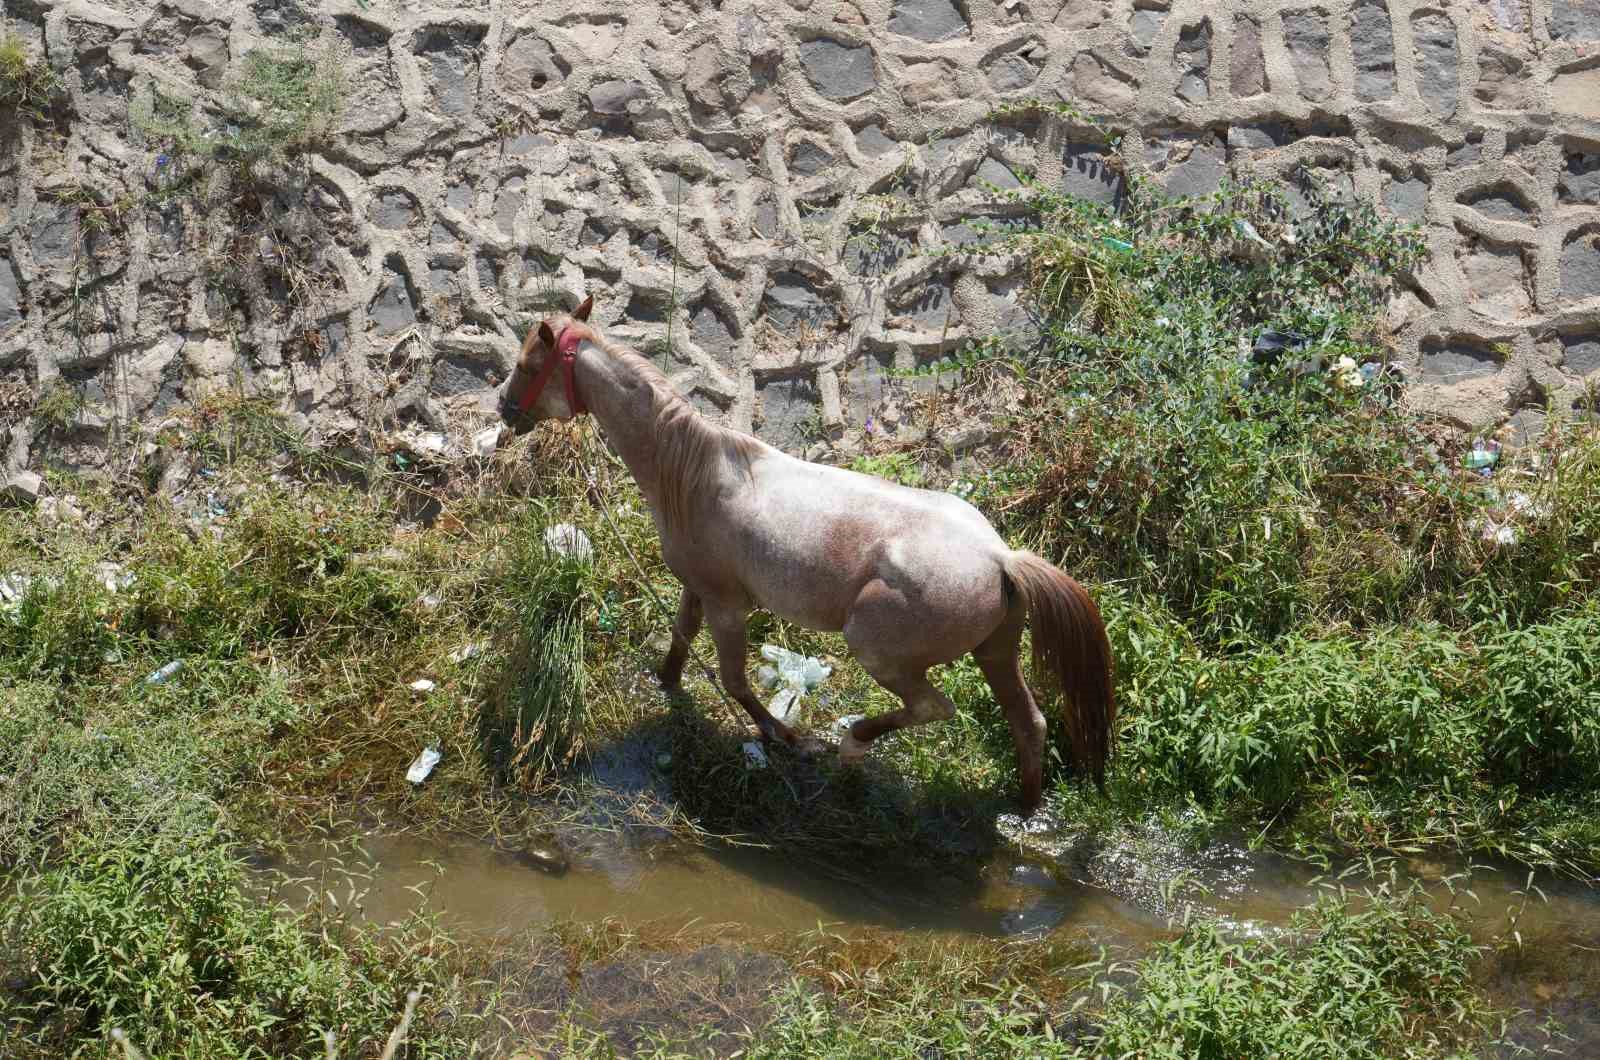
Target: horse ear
547	336
582	312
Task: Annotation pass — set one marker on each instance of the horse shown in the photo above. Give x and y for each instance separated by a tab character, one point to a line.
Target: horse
913	578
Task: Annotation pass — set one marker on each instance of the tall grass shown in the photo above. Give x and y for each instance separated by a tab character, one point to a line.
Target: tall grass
536	717
1170	450
167	943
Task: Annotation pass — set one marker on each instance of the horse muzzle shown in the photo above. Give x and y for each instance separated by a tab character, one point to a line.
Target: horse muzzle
519	421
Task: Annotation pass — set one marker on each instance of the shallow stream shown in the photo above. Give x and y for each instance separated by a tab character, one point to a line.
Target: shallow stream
1043	881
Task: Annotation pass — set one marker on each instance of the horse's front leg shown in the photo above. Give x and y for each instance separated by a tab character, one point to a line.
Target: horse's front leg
683	632
728	630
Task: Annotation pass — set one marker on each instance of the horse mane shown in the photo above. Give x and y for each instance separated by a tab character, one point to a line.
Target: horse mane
688	446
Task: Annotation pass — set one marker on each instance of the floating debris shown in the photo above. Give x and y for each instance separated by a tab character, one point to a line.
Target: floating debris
543	856
423	765
163	675
567	540
422	684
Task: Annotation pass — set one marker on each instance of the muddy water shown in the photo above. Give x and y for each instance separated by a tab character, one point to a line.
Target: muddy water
1045	879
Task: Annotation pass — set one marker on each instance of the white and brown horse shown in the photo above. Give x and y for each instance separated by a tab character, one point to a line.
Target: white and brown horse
913	578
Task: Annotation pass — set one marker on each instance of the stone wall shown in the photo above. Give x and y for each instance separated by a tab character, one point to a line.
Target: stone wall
773	176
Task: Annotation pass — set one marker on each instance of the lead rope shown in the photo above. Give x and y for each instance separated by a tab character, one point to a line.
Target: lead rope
672	623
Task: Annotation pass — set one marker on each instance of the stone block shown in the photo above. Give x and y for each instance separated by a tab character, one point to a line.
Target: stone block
1580	354
1372	45
928	20
1503	202
1577	92
1305	34
1191	59
838	71
1087	172
21	487
1499	279
10	296
1575	20
1577	185
1505	79
1438	75
1011	72
1580	266
792	301
1407	199
1248	73
1143	26
1096	81
1455	358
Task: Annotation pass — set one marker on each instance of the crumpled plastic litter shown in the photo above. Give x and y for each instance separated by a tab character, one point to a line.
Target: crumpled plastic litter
755	756
1483	457
800	672
793	675
846	723
567	540
423	765
161	676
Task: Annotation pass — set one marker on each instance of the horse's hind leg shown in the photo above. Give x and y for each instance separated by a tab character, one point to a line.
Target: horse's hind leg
728	630
1001	664
923	703
683	631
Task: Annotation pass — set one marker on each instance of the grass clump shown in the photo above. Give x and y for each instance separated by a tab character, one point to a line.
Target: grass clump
283	101
27	85
1485	739
1382	976
536	716
166	942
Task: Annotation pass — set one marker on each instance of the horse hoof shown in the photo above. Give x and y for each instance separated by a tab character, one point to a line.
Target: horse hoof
851	750
668	682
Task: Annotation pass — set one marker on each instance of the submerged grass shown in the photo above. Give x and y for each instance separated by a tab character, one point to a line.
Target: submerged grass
1378	972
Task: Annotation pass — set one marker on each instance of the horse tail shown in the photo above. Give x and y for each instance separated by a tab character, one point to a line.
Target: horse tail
1071	652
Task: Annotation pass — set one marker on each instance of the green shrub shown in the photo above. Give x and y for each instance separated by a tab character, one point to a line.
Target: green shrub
1251	494
1384	977
66	773
1466	735
167	941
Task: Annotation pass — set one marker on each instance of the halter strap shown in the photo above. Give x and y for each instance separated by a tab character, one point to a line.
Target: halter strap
566	355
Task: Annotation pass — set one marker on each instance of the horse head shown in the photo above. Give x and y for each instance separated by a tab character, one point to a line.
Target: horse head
542	385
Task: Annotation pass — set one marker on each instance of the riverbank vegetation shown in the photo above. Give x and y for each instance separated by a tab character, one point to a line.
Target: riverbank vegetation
1331	634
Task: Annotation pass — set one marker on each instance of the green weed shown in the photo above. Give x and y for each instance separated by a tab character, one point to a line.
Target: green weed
1382	976
28	85
283	101
166	943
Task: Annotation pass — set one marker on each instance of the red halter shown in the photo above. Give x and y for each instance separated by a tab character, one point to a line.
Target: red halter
566	354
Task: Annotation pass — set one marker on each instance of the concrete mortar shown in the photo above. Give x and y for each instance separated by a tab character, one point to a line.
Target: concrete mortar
497	159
